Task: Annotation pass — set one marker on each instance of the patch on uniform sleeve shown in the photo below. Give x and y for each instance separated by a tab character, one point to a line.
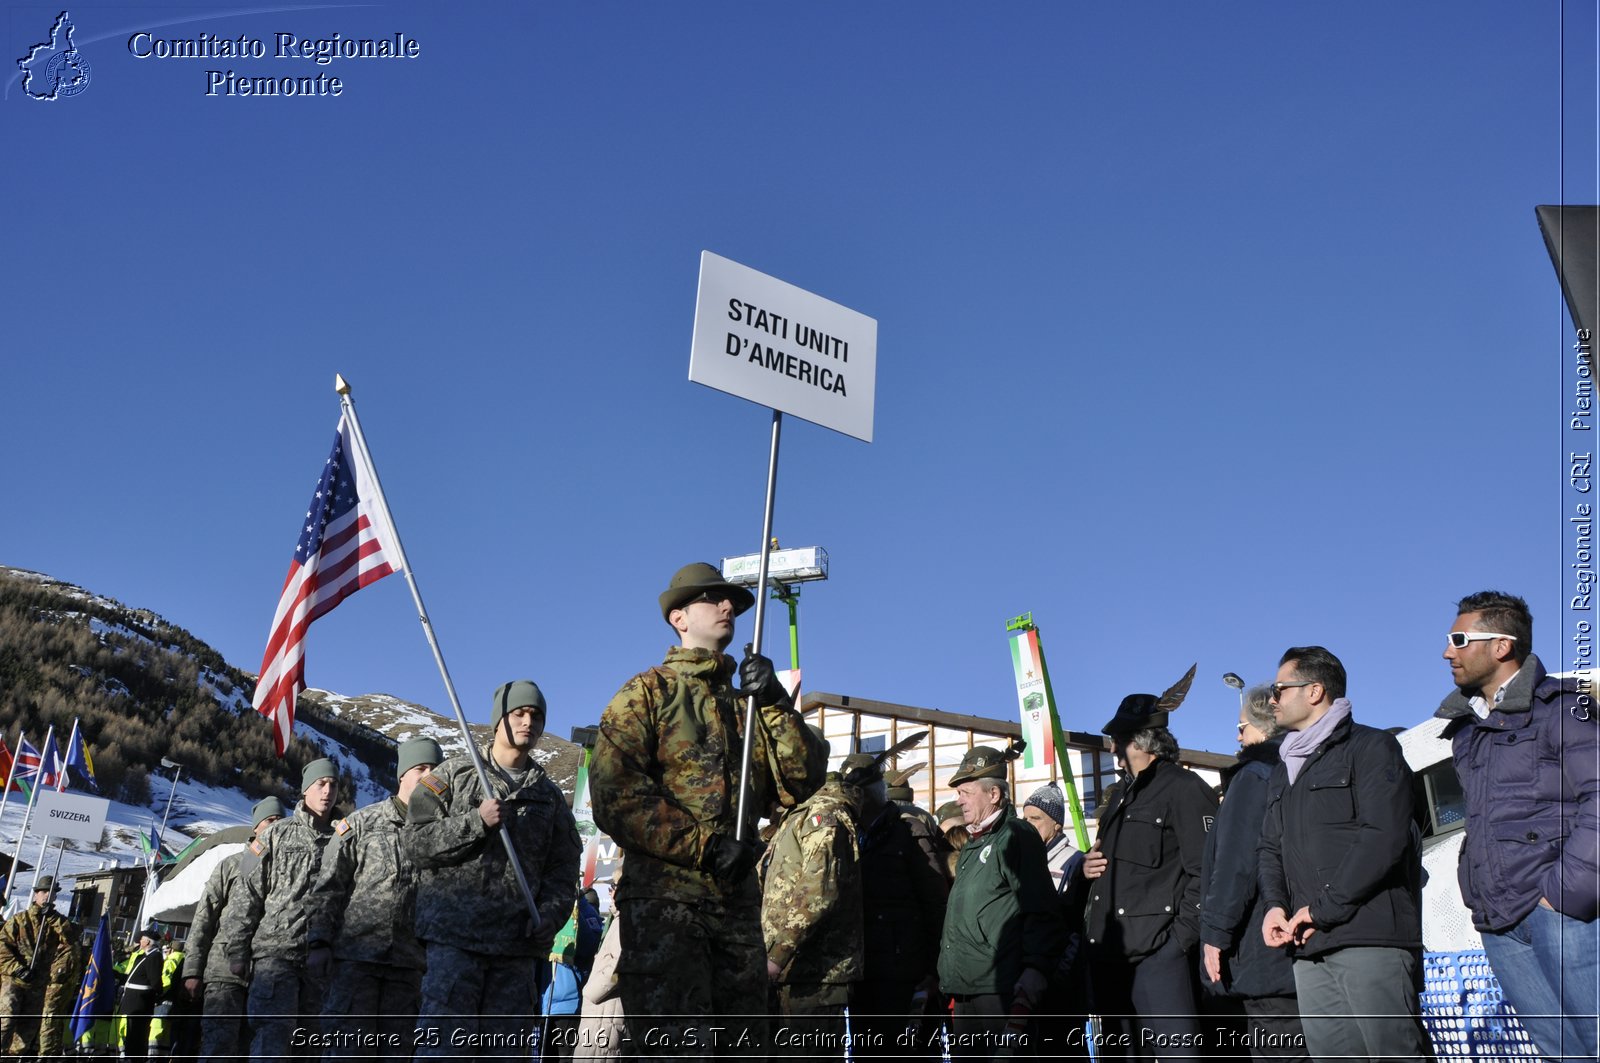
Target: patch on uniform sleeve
820	820
342	827
434	783
1209	820
256	846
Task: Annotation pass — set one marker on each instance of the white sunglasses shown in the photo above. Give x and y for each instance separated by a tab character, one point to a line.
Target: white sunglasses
1459	639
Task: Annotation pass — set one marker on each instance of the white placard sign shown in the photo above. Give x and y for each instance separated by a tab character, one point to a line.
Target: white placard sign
765	340
70	816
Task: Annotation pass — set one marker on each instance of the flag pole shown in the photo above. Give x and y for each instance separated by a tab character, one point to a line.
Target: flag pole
61	776
11	773
365	456
22	832
56	881
761	601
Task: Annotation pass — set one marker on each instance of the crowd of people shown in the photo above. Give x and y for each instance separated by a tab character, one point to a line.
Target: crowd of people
446	921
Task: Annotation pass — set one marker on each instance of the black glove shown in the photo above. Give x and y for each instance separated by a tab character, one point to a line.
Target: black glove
758	680
29	974
729	860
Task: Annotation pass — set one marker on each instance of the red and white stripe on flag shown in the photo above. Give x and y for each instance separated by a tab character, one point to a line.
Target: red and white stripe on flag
345	543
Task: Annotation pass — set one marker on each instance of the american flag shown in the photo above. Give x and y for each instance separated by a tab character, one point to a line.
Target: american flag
345	543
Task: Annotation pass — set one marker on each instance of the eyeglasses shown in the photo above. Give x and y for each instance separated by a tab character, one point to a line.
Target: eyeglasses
1278	688
1459	639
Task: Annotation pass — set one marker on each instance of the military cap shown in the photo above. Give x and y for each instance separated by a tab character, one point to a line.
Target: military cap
900	783
860	769
517	694
153	932
981	762
265	808
691	581
948	811
46	884
317	770
1139	711
414	751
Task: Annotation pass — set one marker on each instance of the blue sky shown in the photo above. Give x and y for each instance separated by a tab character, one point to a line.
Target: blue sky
1203	331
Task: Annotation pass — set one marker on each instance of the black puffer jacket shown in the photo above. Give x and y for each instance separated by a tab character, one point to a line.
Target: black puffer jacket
1231	910
1342	840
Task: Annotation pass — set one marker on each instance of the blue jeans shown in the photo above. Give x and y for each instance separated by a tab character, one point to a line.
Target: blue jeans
1546	965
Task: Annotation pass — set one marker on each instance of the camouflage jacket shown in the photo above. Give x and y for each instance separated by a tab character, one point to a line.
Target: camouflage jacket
665	775
206	955
467	895
58	951
811	890
269	914
364	903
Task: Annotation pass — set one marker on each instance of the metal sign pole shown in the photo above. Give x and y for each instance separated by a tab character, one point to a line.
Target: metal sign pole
755	643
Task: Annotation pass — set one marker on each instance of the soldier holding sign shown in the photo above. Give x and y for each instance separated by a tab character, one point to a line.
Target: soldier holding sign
665	781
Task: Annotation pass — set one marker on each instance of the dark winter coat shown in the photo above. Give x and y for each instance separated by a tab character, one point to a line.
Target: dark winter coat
903	901
1153	832
1231	910
1533	799
1342	840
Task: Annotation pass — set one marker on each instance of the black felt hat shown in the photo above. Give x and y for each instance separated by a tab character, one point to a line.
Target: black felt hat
1139	711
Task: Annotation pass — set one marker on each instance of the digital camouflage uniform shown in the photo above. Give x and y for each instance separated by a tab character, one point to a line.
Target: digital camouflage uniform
471	915
23	1003
364	906
665	780
267	924
811	909
222	1025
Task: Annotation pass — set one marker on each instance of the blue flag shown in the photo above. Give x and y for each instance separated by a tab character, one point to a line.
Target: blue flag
98	994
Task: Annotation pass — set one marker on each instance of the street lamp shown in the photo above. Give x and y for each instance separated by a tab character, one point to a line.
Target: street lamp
1233	680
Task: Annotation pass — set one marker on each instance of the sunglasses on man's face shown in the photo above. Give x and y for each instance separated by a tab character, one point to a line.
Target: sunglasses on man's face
1278	688
1459	639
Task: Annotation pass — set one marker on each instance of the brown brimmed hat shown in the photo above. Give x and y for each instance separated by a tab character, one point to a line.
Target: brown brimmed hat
691	581
986	762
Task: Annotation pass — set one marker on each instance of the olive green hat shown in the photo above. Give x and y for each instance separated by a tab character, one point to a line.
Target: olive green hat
948	811
265	809
517	694
46	884
899	782
985	762
691	581
860	769
416	751
321	768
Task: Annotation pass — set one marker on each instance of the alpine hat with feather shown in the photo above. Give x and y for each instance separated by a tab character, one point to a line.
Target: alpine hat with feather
1139	711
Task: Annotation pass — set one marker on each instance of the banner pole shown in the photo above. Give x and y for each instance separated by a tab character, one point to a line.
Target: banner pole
5	796
365	457
755	643
1074	803
22	832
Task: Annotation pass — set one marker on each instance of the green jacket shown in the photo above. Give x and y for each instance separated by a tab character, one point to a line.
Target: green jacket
1003	914
665	776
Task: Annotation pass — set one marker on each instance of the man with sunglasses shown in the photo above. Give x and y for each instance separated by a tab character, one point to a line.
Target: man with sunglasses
1341	869
1525	747
665	783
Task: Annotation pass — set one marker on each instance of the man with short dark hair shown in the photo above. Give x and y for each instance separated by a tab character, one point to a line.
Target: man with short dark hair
481	983
1341	872
1003	933
1525	748
1142	921
665	783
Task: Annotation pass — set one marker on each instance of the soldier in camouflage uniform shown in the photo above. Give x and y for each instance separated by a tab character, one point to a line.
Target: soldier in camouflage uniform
480	990
267	922
811	908
206	976
665	784
364	913
42	963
